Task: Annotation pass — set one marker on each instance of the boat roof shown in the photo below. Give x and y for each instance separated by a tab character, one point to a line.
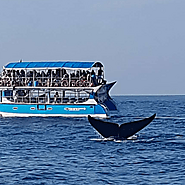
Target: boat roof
53	64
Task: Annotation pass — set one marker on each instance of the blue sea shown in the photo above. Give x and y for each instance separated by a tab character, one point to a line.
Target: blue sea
35	151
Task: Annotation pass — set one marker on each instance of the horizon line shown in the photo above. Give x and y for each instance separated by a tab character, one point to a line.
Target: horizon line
147	94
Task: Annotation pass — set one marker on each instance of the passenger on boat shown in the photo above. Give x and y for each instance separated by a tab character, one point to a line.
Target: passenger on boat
63	71
22	73
48	82
19	95
26	97
56	96
88	76
93	77
16	97
77	74
100	76
48	73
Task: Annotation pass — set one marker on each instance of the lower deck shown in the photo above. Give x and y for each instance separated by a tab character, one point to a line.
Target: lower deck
69	102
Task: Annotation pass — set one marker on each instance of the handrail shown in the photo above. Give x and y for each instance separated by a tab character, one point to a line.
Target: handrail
44	82
49	82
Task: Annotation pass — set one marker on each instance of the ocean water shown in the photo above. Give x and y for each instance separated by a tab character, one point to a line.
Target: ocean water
69	151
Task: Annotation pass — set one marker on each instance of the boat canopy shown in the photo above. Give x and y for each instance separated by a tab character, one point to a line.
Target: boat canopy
53	64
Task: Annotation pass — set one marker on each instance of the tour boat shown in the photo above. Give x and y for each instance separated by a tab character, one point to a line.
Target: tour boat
55	88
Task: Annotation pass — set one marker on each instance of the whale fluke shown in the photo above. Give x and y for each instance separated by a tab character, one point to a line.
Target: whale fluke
123	131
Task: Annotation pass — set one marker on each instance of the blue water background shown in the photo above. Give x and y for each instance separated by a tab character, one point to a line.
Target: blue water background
69	151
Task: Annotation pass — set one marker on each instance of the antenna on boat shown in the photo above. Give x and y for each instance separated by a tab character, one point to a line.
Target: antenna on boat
20	60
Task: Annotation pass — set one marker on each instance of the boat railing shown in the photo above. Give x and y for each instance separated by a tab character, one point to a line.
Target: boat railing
49	82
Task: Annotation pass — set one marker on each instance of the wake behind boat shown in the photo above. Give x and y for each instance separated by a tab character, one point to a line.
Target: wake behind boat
116	131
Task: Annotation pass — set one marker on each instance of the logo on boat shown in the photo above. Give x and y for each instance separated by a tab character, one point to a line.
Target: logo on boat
75	109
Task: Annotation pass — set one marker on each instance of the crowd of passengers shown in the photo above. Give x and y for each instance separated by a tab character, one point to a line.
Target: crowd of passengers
51	78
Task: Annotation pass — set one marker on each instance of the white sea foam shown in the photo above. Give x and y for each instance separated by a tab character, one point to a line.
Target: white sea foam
168	117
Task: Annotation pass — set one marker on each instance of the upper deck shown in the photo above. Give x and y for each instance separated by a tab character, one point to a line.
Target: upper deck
50	74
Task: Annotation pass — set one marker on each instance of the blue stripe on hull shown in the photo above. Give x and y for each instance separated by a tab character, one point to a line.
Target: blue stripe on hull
51	109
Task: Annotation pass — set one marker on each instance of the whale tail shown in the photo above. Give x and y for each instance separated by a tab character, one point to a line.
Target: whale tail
123	131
